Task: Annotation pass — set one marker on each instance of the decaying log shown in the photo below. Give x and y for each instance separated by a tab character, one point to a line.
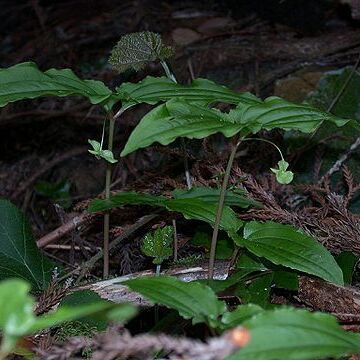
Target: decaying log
341	301
114	291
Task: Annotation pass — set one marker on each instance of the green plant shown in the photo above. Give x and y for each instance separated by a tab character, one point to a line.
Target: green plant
185	111
19	255
58	192
281	333
158	245
18	320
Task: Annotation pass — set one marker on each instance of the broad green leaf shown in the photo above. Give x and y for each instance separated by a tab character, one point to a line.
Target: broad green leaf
192	300
26	81
125	198
248	261
347	262
152	90
158	244
297	335
232	198
19	255
239	315
136	50
275	112
178	118
195	209
284	245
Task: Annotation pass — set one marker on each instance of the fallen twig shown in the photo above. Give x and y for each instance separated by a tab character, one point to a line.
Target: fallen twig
86	266
112	345
115	291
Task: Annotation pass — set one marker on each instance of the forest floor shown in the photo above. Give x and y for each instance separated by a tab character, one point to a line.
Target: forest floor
46	170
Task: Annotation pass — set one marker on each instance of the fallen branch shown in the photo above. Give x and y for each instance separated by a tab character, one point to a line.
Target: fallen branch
86	266
112	345
113	289
64	229
341	301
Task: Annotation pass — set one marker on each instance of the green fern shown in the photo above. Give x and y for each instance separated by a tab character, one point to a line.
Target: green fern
136	50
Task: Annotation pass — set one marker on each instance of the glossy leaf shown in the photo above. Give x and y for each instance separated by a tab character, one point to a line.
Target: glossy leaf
19	255
125	198
152	90
178	118
192	300
296	334
26	81
232	198
158	244
275	112
136	50
195	209
284	245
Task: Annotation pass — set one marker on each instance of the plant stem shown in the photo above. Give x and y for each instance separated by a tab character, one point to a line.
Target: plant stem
168	72
107	196
158	267
171	76
175	240
219	210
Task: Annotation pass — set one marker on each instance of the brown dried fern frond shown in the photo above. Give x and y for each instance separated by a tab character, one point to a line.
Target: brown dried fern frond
51	297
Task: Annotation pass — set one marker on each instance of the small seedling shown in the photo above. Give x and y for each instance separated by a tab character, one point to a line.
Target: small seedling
158	245
283	176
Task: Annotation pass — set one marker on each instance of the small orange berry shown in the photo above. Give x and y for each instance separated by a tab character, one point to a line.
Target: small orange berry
240	336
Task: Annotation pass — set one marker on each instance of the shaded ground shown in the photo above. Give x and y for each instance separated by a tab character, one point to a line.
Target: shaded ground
249	48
